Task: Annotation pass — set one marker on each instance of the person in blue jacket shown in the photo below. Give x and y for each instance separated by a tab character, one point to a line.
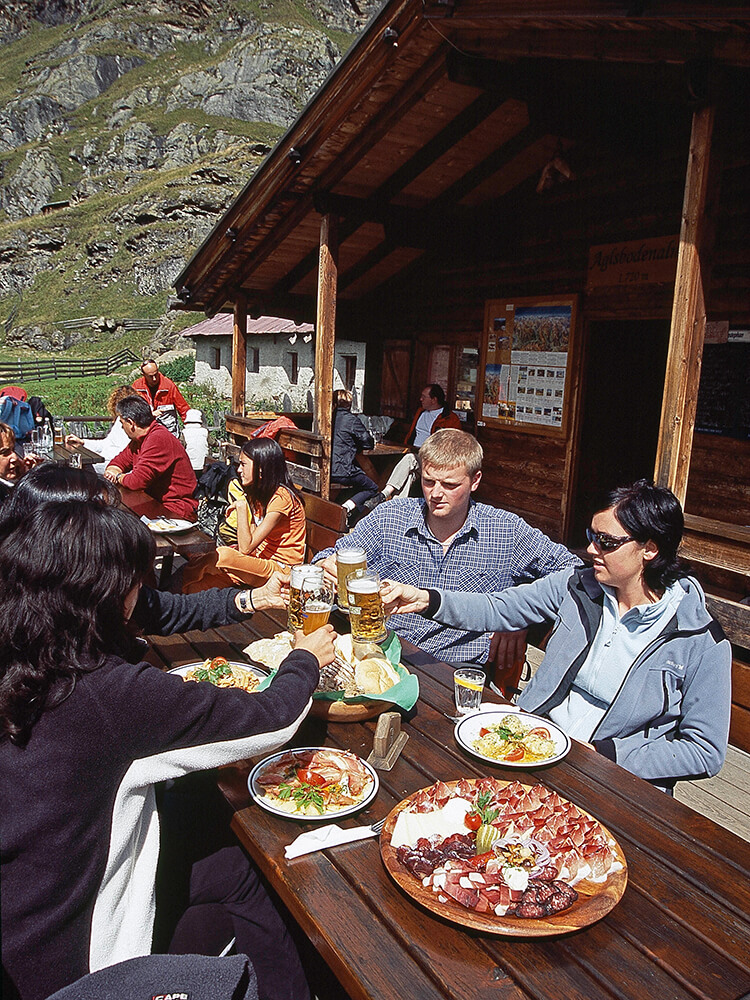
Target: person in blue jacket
635	665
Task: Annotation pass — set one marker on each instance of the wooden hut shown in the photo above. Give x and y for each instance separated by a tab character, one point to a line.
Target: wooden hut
544	206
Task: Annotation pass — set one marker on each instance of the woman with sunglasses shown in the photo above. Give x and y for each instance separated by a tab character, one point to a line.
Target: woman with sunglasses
635	665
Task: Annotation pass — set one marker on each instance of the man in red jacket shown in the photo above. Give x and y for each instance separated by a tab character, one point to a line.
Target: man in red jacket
432	415
154	461
162	395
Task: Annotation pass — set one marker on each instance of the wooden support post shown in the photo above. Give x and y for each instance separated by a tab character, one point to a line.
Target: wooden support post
688	319
325	339
239	355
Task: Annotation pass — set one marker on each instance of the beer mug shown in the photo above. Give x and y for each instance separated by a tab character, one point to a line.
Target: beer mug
365	606
347	560
302	580
316	607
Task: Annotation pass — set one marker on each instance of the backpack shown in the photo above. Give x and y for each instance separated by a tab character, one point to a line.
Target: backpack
211	492
18	415
41	413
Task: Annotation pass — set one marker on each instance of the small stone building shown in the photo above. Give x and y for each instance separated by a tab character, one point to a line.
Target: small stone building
280	361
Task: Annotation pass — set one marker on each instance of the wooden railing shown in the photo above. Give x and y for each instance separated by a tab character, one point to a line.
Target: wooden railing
49	368
304	449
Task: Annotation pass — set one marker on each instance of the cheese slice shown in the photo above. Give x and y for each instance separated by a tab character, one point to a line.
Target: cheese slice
409	826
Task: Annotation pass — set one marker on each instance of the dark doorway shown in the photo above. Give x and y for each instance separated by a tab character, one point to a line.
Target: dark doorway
623	382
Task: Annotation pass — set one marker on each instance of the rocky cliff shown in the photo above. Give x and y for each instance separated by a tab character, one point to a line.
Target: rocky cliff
126	127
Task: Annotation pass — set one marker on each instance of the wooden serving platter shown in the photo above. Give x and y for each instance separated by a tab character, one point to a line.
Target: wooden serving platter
595	899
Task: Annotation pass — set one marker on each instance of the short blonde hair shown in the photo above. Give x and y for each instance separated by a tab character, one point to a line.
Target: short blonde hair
342	399
448	447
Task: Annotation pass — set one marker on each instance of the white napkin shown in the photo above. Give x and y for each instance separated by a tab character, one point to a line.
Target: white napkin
324	837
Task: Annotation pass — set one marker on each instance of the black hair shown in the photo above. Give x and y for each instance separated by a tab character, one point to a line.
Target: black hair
135	408
66	570
651	513
437	393
51	482
269	471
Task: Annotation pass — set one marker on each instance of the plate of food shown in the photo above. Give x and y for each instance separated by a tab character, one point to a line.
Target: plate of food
222	673
167	525
313	783
503	858
512	738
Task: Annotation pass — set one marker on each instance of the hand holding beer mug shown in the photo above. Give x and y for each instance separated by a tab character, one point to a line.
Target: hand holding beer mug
303	580
347	561
365	606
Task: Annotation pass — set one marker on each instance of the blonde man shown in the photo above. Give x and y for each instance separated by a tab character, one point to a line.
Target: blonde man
449	541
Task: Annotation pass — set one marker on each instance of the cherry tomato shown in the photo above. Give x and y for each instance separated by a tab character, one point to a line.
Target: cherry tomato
473	821
483	732
310	777
515	753
540	731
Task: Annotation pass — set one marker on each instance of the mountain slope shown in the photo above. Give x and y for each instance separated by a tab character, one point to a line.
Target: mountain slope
126	128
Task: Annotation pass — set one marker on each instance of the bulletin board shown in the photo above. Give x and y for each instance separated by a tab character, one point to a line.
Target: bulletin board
527	349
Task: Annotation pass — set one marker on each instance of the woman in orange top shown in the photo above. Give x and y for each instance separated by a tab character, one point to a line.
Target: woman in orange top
270	525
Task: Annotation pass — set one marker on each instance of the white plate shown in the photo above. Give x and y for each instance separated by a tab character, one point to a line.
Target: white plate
168	525
467	733
250	667
269	805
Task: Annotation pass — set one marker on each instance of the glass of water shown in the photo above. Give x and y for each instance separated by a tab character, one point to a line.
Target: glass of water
468	685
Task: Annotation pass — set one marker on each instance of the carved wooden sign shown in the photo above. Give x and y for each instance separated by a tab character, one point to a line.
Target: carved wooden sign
634	262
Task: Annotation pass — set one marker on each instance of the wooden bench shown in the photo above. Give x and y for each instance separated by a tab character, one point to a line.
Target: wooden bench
734	618
326	523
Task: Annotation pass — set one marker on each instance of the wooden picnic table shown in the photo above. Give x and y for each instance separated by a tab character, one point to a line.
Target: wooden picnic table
681	930
378	462
188	543
64	453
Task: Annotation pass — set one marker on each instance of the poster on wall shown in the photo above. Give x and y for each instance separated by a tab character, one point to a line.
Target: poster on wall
526	350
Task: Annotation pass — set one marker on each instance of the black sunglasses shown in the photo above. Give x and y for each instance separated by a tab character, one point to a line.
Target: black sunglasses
605	542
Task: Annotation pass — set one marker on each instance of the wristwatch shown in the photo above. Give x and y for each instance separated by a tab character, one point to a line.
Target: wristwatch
245	601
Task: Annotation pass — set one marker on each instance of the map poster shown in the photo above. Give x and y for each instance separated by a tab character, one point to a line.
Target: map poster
526	352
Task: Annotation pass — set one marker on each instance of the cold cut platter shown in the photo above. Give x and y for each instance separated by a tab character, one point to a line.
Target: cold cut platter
503	858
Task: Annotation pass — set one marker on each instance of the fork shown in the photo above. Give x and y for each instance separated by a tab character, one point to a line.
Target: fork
378	827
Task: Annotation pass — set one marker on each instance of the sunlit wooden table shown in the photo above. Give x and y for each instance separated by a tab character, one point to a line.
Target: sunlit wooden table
681	930
188	543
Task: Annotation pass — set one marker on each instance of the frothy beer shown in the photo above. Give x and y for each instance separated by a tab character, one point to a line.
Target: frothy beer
347	560
315	615
365	606
303	580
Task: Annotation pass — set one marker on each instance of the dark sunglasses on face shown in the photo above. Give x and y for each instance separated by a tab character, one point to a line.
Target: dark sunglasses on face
605	542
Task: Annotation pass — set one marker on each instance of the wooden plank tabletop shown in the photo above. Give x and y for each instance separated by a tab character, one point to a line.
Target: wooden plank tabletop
63	453
681	930
184	543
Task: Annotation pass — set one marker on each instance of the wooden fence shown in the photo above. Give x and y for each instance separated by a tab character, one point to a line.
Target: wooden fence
37	371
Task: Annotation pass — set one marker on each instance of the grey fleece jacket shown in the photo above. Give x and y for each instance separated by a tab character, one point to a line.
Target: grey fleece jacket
670	717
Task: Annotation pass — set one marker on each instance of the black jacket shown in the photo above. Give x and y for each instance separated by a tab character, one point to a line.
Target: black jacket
349	436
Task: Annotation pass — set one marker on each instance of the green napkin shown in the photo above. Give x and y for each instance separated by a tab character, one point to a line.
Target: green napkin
404	693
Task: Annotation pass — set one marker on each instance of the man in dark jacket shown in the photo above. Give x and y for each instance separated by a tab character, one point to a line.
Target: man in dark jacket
348	437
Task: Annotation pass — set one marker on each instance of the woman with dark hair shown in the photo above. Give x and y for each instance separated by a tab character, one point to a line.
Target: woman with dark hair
635	665
270	521
85	733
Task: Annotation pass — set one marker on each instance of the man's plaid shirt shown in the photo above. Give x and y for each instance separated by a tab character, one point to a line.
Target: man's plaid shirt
493	550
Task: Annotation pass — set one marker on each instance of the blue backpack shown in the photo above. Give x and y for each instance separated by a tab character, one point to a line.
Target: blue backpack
18	415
